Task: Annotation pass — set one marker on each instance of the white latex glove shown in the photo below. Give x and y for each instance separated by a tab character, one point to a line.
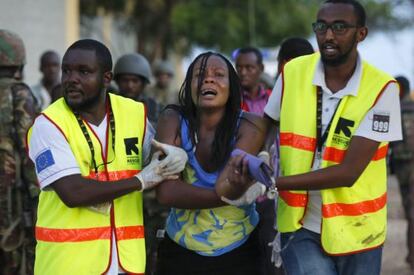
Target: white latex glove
251	194
272	192
263	155
276	258
175	159
152	175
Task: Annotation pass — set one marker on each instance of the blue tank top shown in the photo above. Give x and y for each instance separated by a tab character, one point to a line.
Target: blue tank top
208	232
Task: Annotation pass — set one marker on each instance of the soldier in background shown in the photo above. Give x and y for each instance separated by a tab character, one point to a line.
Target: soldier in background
18	188
50	69
401	162
132	73
163	90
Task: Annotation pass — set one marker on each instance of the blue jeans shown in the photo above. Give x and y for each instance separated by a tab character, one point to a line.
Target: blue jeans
304	255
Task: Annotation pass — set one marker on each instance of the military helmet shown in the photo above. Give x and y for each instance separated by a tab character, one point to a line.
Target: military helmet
12	52
133	63
163	66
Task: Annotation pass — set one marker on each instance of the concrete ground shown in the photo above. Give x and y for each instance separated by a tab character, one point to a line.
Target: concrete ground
395	249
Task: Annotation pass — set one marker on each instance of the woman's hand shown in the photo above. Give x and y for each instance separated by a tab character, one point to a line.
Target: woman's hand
235	179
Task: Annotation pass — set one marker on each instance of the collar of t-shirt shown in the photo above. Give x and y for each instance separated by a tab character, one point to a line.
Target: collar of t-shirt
330	100
351	87
100	131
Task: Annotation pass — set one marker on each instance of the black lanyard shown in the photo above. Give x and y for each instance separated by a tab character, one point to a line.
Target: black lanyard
320	139
88	138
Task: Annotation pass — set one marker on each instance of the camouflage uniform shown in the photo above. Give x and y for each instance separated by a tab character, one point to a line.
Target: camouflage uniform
167	95
18	192
153	108
402	164
162	96
155	216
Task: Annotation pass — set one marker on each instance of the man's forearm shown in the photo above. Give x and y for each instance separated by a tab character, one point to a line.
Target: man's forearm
331	177
76	191
358	156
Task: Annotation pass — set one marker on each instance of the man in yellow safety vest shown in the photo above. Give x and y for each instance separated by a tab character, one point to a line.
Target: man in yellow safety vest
337	114
90	149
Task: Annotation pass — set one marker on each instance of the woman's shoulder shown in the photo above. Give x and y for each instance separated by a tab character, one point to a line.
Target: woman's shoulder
251	120
169	125
170	114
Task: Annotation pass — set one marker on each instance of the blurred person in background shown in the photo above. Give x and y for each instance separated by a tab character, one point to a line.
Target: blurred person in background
249	66
50	69
163	90
58	93
290	48
267	80
401	162
132	74
18	186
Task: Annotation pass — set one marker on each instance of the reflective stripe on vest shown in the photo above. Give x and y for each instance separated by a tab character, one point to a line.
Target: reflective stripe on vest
87	234
353	219
78	240
112	175
332	155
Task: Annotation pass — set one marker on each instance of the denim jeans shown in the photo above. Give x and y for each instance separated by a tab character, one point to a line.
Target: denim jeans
302	254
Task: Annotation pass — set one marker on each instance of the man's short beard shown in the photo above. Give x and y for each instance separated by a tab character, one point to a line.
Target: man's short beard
85	105
88	103
342	59
335	62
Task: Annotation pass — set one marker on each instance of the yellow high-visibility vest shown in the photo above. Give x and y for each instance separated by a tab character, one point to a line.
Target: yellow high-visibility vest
78	240
353	218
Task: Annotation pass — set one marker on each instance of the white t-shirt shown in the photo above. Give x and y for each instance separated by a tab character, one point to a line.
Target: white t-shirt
388	104
47	137
42	95
61	162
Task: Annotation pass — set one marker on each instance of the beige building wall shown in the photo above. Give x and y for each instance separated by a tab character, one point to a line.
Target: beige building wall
43	25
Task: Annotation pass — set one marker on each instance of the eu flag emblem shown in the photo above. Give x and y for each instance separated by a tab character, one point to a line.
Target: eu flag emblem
44	160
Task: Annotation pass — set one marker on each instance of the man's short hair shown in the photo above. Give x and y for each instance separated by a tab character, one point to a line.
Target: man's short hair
102	53
358	9
46	55
294	47
254	50
404	85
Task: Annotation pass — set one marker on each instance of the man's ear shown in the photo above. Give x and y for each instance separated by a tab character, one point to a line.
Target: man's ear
261	66
362	33
107	78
